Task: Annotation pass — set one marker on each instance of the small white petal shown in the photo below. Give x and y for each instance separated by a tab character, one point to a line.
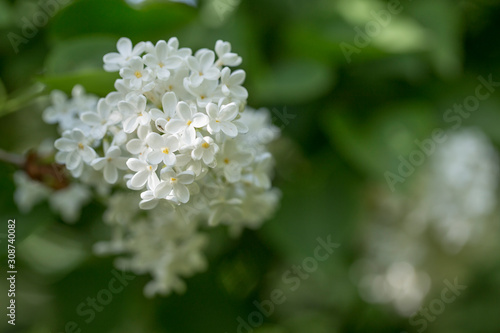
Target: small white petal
139	179
110	173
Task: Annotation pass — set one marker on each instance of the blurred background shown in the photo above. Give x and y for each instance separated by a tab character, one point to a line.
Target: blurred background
389	113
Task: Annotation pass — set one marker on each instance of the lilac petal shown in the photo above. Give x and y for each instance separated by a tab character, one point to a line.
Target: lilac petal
228	128
139	179
155	157
155	141
163	189
181	192
73	159
124	46
136	165
175	125
110	173
199	120
65	144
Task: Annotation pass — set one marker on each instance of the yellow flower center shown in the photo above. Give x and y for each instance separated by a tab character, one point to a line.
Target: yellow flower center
80	146
138	74
226	161
189	122
173	179
161	65
165	151
205	145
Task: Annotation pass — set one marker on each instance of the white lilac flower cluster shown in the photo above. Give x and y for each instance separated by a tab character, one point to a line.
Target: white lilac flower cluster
454	199
178	131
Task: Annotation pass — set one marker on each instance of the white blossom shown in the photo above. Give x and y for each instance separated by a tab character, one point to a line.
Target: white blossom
182	147
187	120
110	163
115	61
74	151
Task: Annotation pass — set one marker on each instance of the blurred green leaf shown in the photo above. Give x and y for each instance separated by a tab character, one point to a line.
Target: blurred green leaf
374	145
97	82
319	200
116	17
294	81
79	54
5	14
20	99
3	95
444	34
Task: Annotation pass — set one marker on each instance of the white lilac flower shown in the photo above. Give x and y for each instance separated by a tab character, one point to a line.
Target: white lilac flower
101	119
28	192
117	96
145	173
233	159
134	113
174	84
161	61
187	120
163	148
69	201
136	75
115	61
190	152
259	176
204	93
224	209
139	146
110	163
75	150
161	117
461	193
173	185
202	67
222	119
226	57
57	111
66	112
205	148
231	83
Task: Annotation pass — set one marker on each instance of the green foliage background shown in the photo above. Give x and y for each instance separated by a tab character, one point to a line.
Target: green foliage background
351	121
